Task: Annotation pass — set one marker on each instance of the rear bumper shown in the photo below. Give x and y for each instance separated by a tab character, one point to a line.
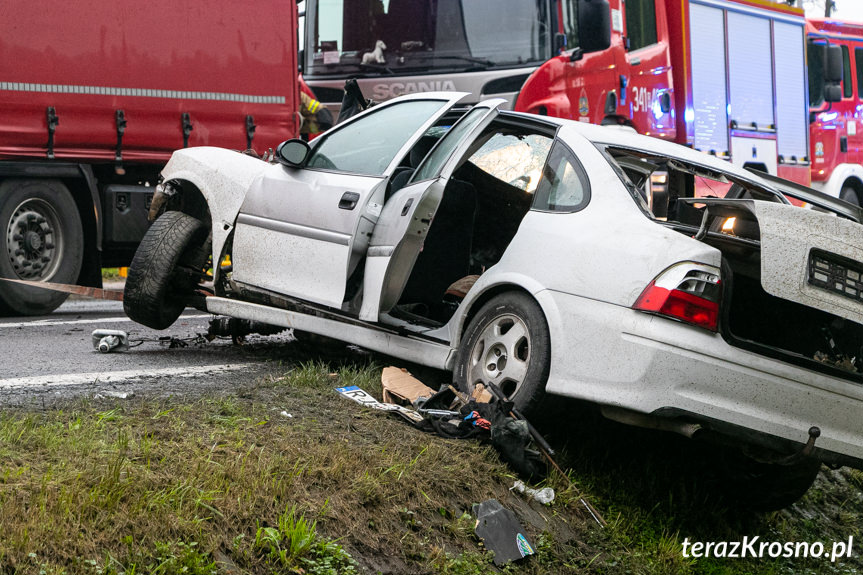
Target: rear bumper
613	355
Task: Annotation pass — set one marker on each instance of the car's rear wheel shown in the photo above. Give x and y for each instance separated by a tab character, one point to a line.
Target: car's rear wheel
166	268
507	343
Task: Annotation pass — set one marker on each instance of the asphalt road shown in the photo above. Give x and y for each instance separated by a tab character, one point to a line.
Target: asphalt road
50	357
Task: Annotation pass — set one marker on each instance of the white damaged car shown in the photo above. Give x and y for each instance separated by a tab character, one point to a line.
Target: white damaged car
545	256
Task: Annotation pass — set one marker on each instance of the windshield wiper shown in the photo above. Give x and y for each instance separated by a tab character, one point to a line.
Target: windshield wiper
483	63
379	67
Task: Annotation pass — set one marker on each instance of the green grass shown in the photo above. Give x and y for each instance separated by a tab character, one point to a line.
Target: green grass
226	484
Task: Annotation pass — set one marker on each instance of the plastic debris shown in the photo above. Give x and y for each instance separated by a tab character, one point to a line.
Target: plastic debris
501	532
107	340
544	495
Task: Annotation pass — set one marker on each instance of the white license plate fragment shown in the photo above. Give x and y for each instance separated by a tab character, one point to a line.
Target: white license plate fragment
364	398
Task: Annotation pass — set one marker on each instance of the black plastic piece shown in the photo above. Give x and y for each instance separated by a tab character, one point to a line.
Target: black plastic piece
250	131
349	200
186	122
120	117
53	120
501	532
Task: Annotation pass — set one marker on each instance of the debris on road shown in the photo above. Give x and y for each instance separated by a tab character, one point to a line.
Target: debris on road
107	340
544	495
501	532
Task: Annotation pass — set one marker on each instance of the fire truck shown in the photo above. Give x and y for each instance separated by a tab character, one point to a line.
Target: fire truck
836	103
94	98
727	77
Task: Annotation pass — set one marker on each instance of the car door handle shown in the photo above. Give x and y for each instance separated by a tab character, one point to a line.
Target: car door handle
349	200
407	206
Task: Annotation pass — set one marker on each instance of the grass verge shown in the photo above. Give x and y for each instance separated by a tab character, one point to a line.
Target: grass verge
287	477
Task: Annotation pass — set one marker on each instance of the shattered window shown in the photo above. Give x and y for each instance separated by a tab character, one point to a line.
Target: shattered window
514	159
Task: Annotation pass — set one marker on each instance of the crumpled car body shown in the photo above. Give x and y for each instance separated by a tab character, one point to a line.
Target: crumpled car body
671	288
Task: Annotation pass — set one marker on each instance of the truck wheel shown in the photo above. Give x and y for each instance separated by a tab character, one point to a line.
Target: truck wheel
165	270
507	343
850	195
766	486
41	239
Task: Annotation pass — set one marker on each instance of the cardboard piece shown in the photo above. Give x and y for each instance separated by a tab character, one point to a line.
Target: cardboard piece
401	387
367	400
481	394
501	532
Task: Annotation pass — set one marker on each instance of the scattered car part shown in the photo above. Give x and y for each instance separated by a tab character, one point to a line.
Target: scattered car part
365	399
106	340
501	532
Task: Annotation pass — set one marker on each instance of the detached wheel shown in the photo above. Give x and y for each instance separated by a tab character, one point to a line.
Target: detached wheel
165	270
850	195
507	343
41	239
766	486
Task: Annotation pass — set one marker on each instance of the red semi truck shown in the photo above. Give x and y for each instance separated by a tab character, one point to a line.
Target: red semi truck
727	77
94	97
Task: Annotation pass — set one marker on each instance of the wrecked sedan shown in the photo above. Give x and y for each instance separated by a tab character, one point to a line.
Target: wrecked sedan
545	256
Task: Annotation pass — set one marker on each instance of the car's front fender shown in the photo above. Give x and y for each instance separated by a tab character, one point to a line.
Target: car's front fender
223	178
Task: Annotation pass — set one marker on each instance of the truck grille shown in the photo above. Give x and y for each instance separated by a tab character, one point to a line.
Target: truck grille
836	274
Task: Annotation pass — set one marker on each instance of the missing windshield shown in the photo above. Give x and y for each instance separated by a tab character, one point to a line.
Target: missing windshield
389	36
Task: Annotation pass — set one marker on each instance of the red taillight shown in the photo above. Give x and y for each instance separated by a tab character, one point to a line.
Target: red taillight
680	305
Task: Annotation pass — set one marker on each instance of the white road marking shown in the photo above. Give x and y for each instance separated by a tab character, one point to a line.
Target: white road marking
66	379
50	322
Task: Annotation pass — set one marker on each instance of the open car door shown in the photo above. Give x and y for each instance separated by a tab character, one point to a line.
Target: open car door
302	231
407	216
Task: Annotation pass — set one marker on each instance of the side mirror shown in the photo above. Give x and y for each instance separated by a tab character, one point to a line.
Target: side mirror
833	93
594	25
293	153
301	55
833	67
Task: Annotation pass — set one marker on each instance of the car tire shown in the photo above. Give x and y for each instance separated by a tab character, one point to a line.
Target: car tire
766	486
850	195
162	276
41	239
490	340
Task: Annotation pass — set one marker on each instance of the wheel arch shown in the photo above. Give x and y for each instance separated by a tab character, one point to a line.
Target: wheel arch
217	180
486	293
857	184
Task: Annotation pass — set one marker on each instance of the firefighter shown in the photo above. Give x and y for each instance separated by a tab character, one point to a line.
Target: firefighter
316	118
